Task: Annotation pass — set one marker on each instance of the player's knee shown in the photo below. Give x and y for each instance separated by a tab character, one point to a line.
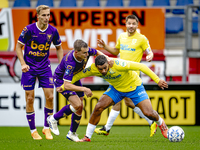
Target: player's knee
79	111
30	100
77	106
80	108
98	108
148	114
49	99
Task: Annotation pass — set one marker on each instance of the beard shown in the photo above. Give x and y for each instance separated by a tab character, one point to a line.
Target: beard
132	30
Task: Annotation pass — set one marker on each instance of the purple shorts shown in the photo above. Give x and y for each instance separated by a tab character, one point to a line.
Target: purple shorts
66	94
44	77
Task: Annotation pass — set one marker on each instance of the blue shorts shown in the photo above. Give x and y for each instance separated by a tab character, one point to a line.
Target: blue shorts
44	77
66	94
138	95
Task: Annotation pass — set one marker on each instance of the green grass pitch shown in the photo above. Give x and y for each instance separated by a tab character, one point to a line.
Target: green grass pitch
120	138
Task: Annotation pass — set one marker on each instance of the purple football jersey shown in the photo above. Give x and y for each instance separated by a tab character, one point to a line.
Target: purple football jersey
69	66
37	45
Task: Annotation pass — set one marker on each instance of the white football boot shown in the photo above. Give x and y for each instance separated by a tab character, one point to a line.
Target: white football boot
72	136
53	125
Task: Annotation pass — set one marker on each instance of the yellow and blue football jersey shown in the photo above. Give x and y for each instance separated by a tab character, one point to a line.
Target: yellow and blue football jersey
132	48
121	75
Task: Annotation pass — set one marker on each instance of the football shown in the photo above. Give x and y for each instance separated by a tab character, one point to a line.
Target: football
175	134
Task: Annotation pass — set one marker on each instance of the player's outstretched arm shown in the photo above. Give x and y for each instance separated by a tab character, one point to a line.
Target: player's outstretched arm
162	84
112	50
100	53
71	87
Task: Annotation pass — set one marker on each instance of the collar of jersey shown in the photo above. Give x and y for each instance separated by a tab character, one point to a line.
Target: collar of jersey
40	29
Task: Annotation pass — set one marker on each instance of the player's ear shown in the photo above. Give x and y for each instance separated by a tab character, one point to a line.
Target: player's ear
111	62
37	17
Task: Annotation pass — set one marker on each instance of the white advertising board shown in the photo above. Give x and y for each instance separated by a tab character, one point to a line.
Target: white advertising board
13	105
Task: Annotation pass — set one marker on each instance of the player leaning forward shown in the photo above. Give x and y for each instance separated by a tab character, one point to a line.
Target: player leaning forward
130	45
36	39
123	83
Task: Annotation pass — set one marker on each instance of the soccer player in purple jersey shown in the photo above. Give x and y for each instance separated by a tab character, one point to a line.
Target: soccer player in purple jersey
36	39
72	63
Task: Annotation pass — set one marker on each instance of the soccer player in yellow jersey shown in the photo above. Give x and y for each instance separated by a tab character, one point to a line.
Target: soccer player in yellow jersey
131	45
124	82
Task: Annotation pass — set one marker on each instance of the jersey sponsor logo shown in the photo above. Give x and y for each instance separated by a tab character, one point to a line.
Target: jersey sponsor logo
110	77
111	71
40	46
126	48
140	93
67	72
86	69
134	41
69	67
117	62
123	63
39	54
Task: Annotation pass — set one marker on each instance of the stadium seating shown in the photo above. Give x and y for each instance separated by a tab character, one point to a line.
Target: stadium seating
67	3
114	3
195	24
174	24
4	4
45	2
158	3
137	3
89	3
182	3
22	3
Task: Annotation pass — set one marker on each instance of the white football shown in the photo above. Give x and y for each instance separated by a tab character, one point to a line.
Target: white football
175	134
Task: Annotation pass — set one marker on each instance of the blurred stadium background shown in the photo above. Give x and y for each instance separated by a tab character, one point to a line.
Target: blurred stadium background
170	25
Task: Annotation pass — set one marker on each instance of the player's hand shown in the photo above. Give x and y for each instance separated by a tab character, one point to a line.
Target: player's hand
100	43
88	92
149	57
162	84
25	68
59	89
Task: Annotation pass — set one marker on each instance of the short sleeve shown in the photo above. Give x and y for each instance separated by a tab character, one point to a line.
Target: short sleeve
145	44
92	52
56	38
68	74
25	35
